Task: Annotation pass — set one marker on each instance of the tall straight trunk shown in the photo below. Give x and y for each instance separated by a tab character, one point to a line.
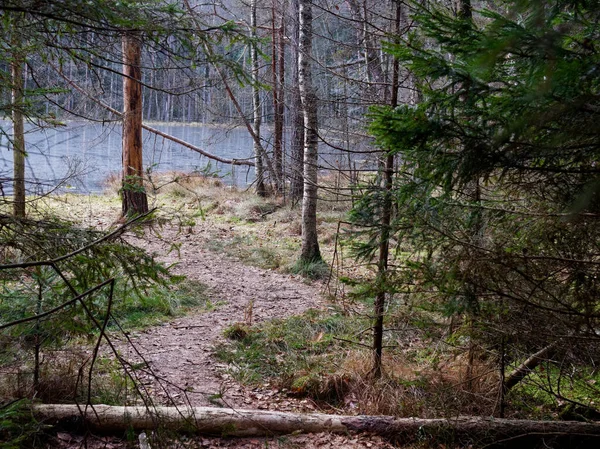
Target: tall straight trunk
18	94
310	243
18	133
281	106
471	290
297	117
384	237
277	62
256	106
134	200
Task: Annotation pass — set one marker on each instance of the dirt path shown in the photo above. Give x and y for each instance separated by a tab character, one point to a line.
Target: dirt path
180	352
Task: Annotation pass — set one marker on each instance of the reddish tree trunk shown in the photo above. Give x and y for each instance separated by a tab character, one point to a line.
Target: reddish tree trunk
133	194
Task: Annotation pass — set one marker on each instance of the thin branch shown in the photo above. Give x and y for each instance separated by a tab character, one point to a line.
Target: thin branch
57	308
115	233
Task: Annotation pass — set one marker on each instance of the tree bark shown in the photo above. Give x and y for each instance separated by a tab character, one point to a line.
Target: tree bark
18	85
529	365
134	200
277	66
310	243
297	117
464	9
256	109
242	423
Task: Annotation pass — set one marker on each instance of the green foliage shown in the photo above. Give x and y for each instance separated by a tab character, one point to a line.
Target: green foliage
497	198
17	427
142	286
551	391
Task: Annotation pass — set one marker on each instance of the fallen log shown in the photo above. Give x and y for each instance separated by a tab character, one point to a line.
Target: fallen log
241	422
529	365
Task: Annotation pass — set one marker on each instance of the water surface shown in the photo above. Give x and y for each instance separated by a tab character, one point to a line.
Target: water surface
82	156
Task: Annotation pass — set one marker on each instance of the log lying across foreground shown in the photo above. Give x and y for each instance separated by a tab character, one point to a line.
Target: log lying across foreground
240	422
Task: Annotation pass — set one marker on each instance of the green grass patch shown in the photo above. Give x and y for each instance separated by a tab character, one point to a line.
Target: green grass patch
297	353
133	308
313	270
158	303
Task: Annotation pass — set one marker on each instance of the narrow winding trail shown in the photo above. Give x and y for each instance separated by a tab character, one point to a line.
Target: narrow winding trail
181	367
179	353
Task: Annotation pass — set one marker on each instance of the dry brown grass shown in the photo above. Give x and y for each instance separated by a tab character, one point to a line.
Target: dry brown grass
266	233
196	201
63	376
412	389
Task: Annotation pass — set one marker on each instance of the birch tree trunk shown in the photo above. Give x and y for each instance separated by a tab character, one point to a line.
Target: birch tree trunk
256	107
16	70
310	243
296	114
134	200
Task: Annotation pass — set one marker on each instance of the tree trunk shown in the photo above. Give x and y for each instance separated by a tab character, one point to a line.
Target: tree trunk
256	109
277	65
134	197
529	365
464	9
240	423
16	69
373	70
297	117
472	290
310	243
384	238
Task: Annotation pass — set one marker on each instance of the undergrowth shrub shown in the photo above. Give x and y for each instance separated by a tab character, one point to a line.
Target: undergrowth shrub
326	356
18	428
38	356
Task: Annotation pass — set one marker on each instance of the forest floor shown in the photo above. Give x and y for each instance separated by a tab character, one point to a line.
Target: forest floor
180	352
180	367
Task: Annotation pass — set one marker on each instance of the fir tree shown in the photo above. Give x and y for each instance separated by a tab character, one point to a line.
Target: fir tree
498	190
